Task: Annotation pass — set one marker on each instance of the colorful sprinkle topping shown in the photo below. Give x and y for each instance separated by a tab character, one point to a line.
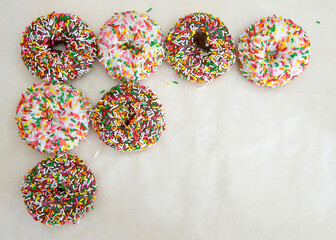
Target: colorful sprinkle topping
53	65
52	117
273	51
130	46
59	189
129	117
199	47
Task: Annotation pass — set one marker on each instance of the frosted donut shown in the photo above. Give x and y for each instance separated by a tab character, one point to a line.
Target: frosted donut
59	189
273	51
52	65
53	118
129	117
130	46
199	47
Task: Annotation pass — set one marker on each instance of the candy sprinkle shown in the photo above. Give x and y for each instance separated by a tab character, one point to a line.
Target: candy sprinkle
318	22
149	10
58	190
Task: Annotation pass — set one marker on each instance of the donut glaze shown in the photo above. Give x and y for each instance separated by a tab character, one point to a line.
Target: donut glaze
130	46
52	65
199	47
59	189
273	52
129	117
52	117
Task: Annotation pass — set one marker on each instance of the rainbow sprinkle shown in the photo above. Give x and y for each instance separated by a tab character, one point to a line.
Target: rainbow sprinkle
60	189
52	117
130	46
57	66
129	117
199	47
273	51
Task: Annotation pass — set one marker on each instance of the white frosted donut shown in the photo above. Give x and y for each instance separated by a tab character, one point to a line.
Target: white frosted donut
52	117
130	46
273	51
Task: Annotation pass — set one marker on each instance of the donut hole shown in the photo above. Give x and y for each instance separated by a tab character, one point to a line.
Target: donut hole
130	119
58	46
130	47
200	39
56	115
273	53
60	190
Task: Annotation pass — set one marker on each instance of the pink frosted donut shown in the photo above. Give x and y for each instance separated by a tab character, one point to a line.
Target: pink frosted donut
130	46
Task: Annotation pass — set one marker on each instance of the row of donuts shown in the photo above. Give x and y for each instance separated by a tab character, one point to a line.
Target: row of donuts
199	47
53	118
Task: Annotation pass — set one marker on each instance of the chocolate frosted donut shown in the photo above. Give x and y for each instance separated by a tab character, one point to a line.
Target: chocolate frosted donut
46	62
59	189
199	47
129	117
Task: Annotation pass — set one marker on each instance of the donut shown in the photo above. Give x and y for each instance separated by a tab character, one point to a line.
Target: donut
200	48
273	52
129	117
59	189
41	57
130	46
52	117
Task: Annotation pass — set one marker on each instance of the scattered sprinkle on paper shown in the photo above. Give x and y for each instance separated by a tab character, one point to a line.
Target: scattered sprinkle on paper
102	91
318	22
96	154
175	82
149	10
168	83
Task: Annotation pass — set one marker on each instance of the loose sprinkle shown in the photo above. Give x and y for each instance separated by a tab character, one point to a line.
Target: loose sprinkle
129	117
149	10
54	65
273	51
60	189
199	47
96	154
175	82
102	91
318	22
53	117
130	46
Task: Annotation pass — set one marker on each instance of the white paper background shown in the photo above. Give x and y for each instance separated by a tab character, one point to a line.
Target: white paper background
237	161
